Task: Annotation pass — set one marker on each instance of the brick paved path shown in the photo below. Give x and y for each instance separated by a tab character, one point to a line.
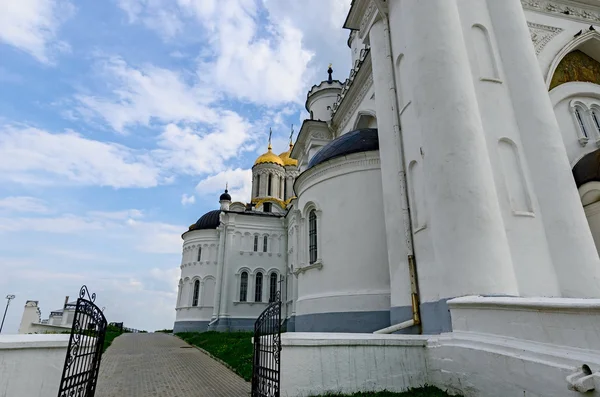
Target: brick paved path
156	365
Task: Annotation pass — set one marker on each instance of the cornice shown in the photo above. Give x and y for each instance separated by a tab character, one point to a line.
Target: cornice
354	91
565	8
355	162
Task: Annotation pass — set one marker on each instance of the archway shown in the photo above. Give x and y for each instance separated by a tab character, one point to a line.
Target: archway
587	178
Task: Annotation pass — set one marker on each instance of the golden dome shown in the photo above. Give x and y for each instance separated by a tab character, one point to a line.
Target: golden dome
269	157
287	160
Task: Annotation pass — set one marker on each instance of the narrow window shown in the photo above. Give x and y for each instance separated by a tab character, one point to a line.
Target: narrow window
265	242
199	253
270	185
267	207
257	185
244	287
258	287
580	121
596	121
284	187
281	184
273	287
255	243
196	293
312	236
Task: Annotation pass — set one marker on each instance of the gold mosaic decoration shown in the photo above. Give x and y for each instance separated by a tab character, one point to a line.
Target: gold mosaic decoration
576	66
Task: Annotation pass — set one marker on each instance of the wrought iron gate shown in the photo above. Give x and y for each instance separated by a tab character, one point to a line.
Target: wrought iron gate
82	362
267	347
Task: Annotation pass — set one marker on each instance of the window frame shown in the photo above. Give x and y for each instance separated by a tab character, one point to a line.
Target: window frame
199	253
243	292
313	249
258	286
255	243
196	293
273	291
265	243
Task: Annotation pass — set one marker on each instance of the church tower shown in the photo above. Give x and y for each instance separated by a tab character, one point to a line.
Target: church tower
268	180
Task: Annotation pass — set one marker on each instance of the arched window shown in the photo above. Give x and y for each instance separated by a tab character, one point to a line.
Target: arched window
267	207
579	117
258	287
270	185
244	287
312	236
196	293
265	243
273	287
596	118
255	243
199	253
257	185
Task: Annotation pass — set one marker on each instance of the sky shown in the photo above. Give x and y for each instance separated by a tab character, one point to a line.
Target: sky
121	121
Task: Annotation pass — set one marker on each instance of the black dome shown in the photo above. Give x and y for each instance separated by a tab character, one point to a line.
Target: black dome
225	196
362	140
210	220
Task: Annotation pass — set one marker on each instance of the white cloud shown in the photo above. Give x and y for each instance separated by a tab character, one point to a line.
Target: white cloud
23	204
32	26
185	199
139	96
238	180
60	224
246	57
201	150
31	155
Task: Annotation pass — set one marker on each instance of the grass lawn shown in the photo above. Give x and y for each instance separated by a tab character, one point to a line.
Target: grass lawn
109	337
234	348
421	392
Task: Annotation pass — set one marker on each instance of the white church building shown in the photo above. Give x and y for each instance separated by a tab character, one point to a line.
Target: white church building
448	188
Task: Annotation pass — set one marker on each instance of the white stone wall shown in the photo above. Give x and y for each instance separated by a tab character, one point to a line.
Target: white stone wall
240	257
351	272
31	365
500	347
204	270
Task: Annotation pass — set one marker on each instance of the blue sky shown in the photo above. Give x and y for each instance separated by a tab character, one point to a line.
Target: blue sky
122	120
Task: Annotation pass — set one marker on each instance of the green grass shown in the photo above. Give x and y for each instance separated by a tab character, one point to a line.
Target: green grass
421	392
234	348
109	337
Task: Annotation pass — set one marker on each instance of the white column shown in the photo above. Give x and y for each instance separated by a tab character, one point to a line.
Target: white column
470	243
219	278
391	170
571	244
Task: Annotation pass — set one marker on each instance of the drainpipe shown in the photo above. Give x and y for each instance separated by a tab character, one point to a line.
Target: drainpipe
408	233
217	309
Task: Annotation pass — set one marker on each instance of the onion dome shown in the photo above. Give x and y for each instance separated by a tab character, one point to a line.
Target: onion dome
210	220
225	196
269	158
285	157
362	140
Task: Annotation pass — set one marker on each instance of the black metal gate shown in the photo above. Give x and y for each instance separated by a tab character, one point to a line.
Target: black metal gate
267	347
82	362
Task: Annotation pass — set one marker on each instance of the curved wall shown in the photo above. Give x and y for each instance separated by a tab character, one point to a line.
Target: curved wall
191	317
348	288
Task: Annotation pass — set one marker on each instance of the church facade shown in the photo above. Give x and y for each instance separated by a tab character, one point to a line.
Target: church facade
460	157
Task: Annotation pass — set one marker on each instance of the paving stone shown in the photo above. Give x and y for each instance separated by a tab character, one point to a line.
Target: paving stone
161	365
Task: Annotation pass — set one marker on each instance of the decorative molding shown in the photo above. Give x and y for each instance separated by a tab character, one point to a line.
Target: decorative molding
541	35
555	7
350	163
303	269
366	19
360	95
